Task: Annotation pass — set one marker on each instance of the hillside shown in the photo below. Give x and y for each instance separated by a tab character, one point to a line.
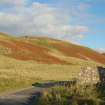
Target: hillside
45	50
15	74
27	60
103	54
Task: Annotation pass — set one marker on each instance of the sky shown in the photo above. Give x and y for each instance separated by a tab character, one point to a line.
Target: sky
78	21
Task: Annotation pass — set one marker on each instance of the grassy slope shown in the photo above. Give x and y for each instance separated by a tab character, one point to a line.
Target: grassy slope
17	73
24	50
103	54
68	49
43	50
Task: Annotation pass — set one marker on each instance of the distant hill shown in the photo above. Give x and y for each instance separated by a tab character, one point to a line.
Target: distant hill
45	50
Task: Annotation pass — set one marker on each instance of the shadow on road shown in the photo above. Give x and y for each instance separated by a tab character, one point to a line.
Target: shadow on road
19	99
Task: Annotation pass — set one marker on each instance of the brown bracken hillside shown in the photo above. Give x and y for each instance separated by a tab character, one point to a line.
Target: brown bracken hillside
39	49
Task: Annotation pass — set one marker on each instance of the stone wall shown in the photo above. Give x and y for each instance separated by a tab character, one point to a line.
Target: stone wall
88	75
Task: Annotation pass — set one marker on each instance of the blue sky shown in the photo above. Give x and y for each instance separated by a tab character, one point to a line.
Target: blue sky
78	21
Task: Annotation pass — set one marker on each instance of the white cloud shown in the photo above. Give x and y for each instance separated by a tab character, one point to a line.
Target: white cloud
12	2
38	19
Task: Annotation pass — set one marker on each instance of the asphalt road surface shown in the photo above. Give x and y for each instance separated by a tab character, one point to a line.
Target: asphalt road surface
28	96
23	97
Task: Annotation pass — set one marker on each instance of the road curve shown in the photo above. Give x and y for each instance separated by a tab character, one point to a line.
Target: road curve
27	96
23	97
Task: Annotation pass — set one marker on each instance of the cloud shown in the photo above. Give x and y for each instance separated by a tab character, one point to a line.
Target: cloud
12	2
38	19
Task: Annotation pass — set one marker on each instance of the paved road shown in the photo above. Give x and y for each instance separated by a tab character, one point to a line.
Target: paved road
27	96
23	97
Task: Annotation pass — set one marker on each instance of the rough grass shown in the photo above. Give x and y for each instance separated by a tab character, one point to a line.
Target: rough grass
44	43
16	74
74	95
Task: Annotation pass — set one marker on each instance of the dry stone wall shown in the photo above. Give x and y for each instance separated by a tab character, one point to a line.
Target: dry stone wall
88	75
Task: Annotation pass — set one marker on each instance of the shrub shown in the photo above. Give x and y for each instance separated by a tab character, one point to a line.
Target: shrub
74	95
